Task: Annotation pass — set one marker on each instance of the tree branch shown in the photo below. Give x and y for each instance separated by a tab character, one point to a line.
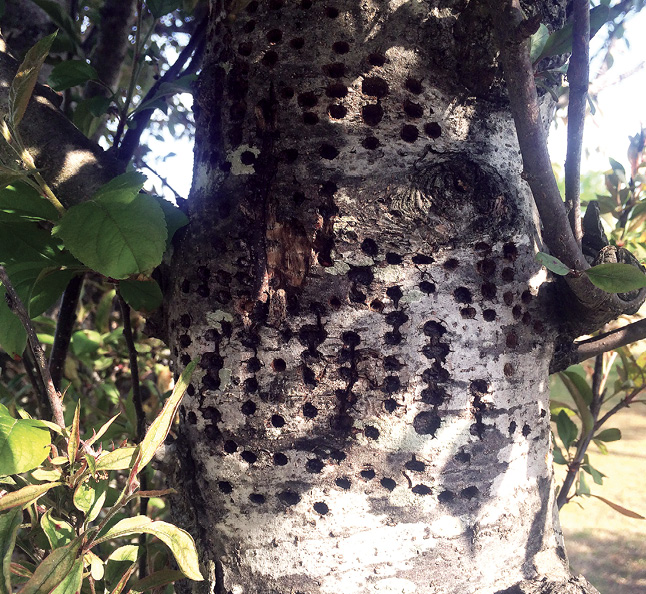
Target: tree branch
64	326
132	137
18	308
578	78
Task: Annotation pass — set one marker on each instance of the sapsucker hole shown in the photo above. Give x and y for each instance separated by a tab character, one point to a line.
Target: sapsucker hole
309	410
469	492
413	85
421	490
374	86
371	432
388	483
191	418
336	90
432	130
249	457
336	111
329	152
249	26
517	311
512	427
335	302
280	459
415	465
287	92
340	47
230	446
392	384
393	258
225	486
274	36
343	482
372	114
463	457
511	340
409	133
270	58
321	508
488	290
297	43
185	359
310	118
252	7
412	109
375	59
251	385
427	423
279	365
446	496
508	297
526	430
289	497
396	318
508	274
451	264
422	259
489	315
245	48
370	143
390	405
257	498
277	421
468	313
368	474
427	287
526	297
331	12
377	305
508	369
190	390
510	251
334	70
307	99
369	246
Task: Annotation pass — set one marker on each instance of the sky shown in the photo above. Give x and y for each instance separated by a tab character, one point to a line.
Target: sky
620	112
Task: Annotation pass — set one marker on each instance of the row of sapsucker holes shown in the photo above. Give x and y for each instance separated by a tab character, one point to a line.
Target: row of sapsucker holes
372	86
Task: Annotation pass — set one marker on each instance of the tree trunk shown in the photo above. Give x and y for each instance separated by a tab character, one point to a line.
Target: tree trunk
370	412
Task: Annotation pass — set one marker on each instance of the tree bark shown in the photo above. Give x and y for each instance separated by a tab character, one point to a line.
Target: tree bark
358	283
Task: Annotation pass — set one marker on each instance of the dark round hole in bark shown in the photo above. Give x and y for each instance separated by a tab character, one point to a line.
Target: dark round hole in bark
309	410
412	109
290	155
270	58
409	133
310	118
434	329
185	359
393	338
251	385
298	198
395	293
415	465
230	446
297	43
249	457
512	427
370	143
249	408
396	318
489	315
289	497
388	483
277	421
469	492
329	152
370	247
508	369
191	418
186	286
510	251
526	430
390	405
257	498
274	36
336	90
376	59
253	365
225	486
247	158
377	305
413	85
203	291
185	321
526	297
249	26
463	457
517	312
462	295
321	508
508	274
335	302
422	259
392	384
245	48
488	290
372	114
368	474
331	12
185	341
337	111
393	258
279	365
374	86
280	459
252	6
190	390
468	313
508	297
307	99
421	490
433	130
427	287
511	340
483	247
486	267
340	47
371	432
426	423
446	496
451	264
287	92
314	465
344	483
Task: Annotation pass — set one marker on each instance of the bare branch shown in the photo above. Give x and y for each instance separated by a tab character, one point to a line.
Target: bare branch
578	78
140	121
18	308
64	326
609	341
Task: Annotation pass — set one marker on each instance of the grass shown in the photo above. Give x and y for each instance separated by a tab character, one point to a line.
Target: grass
605	546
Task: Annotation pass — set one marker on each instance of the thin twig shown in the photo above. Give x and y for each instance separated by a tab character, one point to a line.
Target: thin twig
578	78
140	120
609	341
134	367
64	326
42	402
18	308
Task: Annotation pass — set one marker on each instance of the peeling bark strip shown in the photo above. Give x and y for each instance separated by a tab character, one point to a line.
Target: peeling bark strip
358	283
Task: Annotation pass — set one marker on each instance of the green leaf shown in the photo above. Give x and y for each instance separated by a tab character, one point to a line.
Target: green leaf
160	427
24	444
582	395
70	74
10	176
557	456
26	242
87	115
72	582
53	570
622	510
13	337
560	42
567	430
115	234
538	41
161	7
608	435
75	438
26	495
58	532
602	446
177	540
123	187
119	459
616	277
143	296
25	80
597	476
20	202
175	218
551	263
156	580
9	524
86	342
582	487
100	494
